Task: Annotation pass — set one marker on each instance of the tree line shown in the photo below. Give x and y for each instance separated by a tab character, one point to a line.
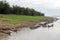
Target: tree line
5	8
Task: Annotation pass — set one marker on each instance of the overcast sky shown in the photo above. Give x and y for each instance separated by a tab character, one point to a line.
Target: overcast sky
49	7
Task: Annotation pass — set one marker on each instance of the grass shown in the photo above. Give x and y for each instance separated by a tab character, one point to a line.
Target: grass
15	19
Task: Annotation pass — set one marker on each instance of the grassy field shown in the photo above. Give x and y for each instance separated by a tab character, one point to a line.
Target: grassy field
15	19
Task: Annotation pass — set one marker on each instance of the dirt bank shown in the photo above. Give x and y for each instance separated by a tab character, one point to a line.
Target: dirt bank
14	27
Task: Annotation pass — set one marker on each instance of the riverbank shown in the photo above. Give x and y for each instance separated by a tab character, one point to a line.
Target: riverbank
14	22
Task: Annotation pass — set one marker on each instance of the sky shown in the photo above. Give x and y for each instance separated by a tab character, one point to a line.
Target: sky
48	7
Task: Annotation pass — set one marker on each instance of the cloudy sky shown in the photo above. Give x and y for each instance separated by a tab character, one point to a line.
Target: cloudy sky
49	7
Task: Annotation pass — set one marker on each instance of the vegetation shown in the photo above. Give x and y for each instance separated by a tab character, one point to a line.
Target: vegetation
5	8
17	14
16	19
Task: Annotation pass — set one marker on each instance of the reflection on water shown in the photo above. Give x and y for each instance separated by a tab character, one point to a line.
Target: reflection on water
41	33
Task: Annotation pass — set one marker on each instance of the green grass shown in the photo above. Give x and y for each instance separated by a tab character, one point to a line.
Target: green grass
15	19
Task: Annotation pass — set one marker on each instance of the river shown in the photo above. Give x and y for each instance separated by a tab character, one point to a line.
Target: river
41	33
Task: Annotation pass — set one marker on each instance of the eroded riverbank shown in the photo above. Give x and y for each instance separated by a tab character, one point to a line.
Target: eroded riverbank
41	33
32	25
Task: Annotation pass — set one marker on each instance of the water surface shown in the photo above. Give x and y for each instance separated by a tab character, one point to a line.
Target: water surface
41	33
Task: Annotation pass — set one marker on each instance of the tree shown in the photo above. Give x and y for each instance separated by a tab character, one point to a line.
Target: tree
6	9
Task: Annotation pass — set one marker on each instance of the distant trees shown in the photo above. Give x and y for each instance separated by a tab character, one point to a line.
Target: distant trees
6	9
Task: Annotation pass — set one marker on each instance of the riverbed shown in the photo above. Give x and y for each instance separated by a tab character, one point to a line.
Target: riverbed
52	33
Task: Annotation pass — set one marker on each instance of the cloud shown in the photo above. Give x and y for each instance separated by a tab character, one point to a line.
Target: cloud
52	4
32	3
49	3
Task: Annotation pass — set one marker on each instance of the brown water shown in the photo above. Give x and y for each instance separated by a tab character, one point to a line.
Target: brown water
41	33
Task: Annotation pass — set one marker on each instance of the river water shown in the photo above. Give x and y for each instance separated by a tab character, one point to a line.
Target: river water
41	33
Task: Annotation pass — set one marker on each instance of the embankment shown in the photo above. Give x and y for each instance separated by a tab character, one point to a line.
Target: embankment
6	28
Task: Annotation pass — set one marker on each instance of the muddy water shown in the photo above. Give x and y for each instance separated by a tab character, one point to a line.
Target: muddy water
41	33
